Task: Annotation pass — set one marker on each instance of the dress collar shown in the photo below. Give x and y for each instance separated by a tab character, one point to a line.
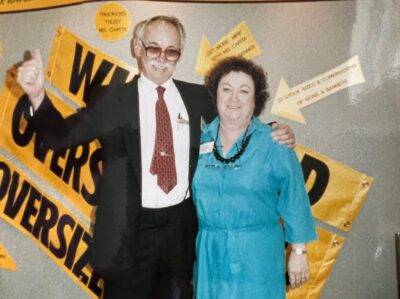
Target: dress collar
212	128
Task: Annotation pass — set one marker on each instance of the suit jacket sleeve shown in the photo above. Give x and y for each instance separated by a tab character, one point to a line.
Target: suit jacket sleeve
87	124
209	111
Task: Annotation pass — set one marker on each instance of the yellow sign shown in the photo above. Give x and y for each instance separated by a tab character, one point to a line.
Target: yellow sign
19	5
75	67
6	262
288	101
238	42
113	21
72	172
1	50
336	191
55	229
322	255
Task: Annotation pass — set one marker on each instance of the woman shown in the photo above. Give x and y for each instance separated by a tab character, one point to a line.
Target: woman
246	189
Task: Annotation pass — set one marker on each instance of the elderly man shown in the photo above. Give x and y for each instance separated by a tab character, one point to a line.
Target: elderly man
149	130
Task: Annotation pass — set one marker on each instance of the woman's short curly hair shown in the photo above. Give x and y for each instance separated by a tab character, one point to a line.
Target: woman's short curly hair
240	64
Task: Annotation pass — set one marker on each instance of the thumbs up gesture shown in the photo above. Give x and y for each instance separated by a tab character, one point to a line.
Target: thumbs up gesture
31	78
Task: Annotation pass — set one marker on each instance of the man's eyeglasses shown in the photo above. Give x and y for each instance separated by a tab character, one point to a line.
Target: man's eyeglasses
155	52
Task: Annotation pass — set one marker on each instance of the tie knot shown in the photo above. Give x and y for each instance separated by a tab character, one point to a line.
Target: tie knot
160	91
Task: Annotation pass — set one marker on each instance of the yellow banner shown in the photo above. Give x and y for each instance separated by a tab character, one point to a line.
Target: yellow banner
58	232
239	42
336	191
72	172
322	255
21	5
75	67
6	262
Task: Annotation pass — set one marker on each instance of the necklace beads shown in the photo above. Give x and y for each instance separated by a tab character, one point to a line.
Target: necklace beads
245	142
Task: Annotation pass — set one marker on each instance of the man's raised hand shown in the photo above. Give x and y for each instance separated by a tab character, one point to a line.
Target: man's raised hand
31	78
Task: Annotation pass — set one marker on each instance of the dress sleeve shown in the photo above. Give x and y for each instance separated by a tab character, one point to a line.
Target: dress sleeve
293	202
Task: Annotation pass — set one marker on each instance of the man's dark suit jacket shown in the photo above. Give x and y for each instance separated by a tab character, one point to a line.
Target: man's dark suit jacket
112	116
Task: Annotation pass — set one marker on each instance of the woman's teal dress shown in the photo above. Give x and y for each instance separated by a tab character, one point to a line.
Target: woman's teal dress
240	245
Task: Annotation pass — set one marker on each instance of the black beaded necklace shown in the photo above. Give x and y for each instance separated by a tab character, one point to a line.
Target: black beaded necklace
245	142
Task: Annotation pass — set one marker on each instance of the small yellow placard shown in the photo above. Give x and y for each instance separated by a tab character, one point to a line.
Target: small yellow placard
239	42
288	101
112	21
6	262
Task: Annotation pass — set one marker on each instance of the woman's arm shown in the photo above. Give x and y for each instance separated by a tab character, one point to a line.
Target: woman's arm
298	269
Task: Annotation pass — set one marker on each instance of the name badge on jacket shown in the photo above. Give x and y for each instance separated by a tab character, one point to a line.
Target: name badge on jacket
206	148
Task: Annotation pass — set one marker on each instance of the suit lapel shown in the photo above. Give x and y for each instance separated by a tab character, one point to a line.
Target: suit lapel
186	97
131	132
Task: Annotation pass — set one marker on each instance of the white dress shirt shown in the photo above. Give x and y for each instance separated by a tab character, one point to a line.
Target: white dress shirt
152	195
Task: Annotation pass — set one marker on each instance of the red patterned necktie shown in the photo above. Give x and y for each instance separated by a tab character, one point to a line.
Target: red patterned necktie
163	162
